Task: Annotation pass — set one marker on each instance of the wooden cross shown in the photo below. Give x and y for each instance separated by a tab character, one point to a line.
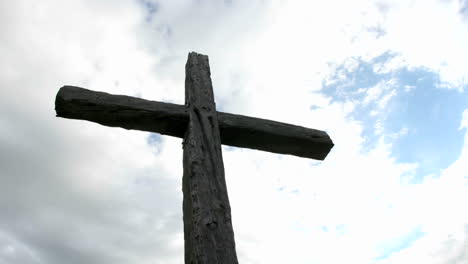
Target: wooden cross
208	233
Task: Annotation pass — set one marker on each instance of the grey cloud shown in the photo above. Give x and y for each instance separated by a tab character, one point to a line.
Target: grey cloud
455	252
45	217
63	225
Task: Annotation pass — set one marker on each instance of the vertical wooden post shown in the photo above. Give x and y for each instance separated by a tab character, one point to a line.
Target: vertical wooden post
208	232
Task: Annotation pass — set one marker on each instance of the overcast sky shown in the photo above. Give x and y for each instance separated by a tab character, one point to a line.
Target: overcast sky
386	79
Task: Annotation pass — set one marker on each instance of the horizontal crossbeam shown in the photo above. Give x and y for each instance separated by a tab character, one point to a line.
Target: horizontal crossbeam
171	119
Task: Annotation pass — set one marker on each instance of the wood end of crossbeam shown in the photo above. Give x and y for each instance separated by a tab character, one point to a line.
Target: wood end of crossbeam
273	136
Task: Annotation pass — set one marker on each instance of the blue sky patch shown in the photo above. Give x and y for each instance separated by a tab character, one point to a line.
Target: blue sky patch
404	107
151	8
395	245
155	140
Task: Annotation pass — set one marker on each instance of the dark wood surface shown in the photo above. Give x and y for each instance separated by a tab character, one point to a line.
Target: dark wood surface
171	119
209	237
208	232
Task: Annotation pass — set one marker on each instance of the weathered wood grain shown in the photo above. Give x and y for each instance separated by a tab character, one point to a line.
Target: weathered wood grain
171	119
208	233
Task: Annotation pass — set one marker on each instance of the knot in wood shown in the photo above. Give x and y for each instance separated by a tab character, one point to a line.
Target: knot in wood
212	225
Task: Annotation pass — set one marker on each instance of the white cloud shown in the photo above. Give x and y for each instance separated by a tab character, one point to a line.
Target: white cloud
429	34
373	93
464	122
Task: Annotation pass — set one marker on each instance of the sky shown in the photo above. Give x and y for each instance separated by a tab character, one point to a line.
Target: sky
387	80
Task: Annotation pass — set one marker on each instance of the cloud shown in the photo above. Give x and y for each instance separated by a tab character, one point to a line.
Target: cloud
429	34
71	192
446	226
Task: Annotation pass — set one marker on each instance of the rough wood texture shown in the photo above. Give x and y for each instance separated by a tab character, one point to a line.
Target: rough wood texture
208	233
171	119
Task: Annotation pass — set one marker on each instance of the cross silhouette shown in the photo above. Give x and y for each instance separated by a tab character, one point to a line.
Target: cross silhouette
208	233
